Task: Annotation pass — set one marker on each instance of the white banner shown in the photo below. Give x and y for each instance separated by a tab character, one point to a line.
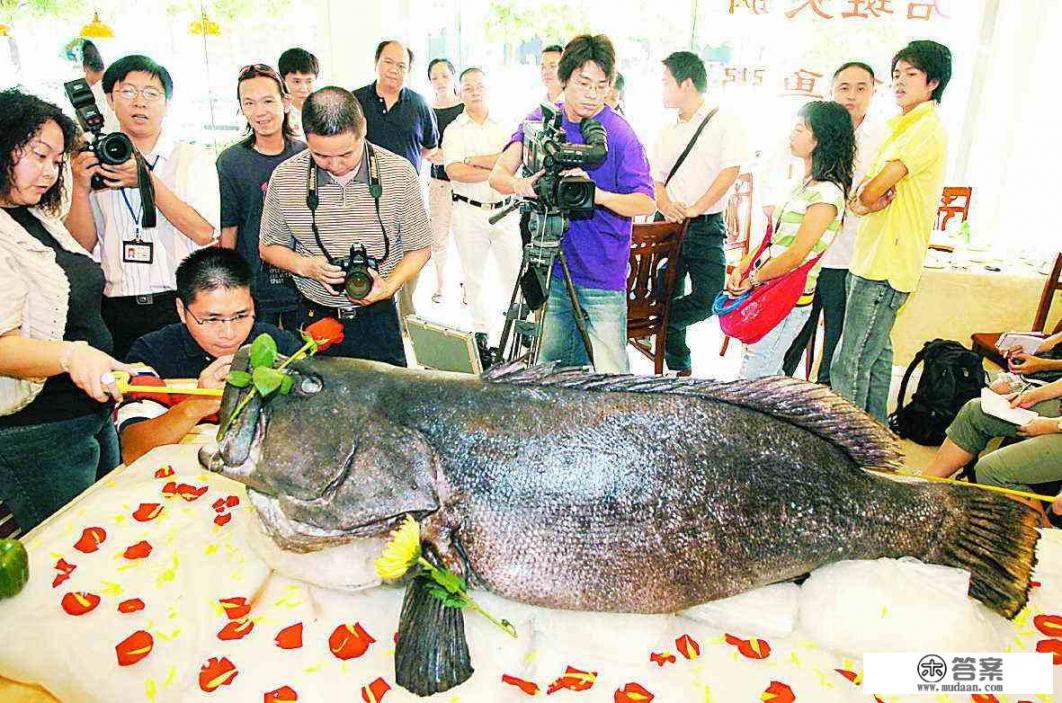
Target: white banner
958	672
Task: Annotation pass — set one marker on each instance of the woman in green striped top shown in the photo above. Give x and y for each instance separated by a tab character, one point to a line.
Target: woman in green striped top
806	225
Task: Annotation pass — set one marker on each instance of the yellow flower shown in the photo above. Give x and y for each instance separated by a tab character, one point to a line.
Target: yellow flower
401	552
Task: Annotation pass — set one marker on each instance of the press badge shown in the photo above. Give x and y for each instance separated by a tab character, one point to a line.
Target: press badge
137	252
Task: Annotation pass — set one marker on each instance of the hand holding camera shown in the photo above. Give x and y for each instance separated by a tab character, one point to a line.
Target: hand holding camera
328	275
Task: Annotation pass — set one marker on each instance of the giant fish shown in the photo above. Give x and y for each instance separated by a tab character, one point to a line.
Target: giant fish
568	489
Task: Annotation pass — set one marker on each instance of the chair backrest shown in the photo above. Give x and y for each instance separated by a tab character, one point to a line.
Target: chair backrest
655	249
738	214
1052	286
955	200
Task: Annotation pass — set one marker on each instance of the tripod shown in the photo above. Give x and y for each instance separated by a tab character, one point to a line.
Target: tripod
547	229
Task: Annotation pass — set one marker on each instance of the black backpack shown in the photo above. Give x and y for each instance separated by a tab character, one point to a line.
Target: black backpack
951	376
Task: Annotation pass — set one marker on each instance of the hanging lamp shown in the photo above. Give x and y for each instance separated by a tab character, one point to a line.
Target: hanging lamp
96	29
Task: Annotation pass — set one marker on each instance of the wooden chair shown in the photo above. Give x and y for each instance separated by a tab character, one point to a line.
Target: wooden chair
984	343
654	246
955	200
8	528
738	219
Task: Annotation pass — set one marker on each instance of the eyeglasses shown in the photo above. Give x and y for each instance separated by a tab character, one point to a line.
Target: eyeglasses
258	69
150	94
402	67
217	323
591	89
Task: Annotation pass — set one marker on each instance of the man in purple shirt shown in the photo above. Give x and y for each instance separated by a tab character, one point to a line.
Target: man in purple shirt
598	248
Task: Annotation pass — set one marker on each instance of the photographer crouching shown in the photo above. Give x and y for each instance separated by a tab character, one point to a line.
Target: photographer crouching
597	248
347	219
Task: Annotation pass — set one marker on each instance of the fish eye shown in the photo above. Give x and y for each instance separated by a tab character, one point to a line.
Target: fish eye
308	385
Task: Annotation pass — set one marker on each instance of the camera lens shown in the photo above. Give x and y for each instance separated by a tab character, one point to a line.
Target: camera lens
114	149
359	283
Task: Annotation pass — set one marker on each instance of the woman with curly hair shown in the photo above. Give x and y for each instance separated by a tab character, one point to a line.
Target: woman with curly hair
806	225
56	385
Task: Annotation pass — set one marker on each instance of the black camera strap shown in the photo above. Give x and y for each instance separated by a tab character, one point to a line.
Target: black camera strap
689	147
313	200
148	216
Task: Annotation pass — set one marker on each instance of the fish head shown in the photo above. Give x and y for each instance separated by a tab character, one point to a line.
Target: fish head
326	452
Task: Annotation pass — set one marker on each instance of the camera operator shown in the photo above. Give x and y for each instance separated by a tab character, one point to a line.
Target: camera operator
597	249
324	204
140	262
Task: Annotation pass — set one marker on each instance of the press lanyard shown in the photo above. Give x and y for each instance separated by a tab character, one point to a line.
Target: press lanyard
129	206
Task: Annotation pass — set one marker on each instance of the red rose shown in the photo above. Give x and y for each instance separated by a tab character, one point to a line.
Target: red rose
326	332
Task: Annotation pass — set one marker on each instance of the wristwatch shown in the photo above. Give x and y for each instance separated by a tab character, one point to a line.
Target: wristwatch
754	280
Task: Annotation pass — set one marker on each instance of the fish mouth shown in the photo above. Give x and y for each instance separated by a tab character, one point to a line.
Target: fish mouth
229	457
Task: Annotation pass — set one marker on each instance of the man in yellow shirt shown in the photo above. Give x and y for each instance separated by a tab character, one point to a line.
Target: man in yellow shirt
898	202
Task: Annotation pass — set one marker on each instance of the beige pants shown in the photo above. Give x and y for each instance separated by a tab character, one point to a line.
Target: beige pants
475	237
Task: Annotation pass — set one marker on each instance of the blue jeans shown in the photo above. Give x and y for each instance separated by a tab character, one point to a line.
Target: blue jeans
44	467
862	365
606	313
766	357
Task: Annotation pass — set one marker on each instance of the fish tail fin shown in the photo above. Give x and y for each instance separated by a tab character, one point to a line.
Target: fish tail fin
994	538
431	653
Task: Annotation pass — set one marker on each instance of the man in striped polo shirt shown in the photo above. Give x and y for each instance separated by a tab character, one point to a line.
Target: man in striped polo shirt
341	193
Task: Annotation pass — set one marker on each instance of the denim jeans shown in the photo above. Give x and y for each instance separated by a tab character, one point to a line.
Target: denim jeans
606	313
830	294
703	261
765	357
862	366
44	467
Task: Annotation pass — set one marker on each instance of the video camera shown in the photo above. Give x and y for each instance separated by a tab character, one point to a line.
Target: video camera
546	148
111	149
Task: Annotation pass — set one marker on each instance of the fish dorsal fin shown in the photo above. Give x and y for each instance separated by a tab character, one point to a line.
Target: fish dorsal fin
810	406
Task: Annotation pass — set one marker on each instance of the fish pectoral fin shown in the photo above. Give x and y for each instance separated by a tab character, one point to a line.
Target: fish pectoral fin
436	531
431	652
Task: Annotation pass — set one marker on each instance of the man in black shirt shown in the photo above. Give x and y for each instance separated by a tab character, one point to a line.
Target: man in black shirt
399	119
243	174
217	317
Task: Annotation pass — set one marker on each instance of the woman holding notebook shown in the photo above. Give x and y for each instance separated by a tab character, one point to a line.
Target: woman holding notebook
1036	459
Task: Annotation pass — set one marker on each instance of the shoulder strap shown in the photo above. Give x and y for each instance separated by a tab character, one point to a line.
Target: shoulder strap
689	147
907	374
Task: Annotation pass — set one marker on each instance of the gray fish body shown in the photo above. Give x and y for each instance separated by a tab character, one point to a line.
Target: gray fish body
595	493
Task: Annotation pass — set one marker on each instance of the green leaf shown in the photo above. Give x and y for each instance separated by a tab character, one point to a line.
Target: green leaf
267	380
263	352
240	379
449	580
285	384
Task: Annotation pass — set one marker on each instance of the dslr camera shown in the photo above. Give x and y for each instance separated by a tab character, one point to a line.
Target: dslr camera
547	149
111	149
357	282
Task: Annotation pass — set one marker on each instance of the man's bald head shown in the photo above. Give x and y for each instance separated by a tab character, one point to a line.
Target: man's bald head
332	110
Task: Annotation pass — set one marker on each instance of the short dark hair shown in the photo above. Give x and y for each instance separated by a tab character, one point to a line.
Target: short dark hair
260	70
932	58
383	45
471	69
296	60
121	68
553	49
91	57
686	64
434	62
585	47
854	64
834	154
21	116
332	110
209	269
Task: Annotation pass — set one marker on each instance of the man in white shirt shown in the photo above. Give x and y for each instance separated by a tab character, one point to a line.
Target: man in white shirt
693	190
140	263
853	87
299	69
471	146
551	57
